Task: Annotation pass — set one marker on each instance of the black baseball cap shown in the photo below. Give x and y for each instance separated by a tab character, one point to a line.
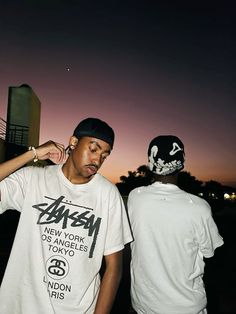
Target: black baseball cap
97	128
166	155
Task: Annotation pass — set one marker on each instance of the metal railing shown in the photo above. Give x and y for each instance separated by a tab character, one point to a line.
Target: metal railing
3	125
14	133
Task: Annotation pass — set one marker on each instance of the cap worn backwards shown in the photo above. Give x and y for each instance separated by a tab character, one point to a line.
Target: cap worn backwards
97	128
166	155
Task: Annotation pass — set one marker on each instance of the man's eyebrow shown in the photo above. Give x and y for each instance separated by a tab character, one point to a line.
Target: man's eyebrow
99	146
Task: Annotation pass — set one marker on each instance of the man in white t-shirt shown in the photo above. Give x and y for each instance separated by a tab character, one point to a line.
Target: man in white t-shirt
173	231
71	218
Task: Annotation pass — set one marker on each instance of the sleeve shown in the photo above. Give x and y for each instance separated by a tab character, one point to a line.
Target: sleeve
13	190
118	229
210	238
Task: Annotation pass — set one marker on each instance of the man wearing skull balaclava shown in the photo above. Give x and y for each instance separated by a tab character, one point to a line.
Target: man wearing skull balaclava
173	231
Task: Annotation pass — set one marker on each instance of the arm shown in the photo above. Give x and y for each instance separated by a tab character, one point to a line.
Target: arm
110	283
50	150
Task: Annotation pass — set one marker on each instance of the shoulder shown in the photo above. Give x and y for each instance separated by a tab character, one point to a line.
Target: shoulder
198	200
30	172
105	183
139	191
200	204
25	171
40	170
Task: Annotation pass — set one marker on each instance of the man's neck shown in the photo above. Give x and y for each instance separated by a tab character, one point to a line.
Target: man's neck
69	172
166	179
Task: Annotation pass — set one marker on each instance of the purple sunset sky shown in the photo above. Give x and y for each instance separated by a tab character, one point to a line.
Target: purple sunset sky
146	69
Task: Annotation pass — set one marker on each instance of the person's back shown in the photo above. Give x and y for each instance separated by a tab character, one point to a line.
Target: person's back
172	232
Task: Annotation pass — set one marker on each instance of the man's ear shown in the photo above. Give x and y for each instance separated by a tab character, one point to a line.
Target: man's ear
73	142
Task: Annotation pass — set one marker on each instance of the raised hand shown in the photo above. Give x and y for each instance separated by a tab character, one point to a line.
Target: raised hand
51	150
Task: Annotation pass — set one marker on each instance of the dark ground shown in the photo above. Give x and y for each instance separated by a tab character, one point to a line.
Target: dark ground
220	271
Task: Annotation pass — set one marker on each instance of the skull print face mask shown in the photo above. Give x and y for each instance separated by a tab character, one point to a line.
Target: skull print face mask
166	155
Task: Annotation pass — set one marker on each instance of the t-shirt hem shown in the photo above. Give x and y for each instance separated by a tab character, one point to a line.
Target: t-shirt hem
140	310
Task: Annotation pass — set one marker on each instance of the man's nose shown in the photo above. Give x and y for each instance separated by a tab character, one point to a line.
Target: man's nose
97	159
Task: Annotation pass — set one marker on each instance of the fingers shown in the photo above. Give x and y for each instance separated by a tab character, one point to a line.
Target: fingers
53	151
57	154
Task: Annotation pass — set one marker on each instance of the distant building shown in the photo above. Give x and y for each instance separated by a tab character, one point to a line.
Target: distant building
2	147
23	121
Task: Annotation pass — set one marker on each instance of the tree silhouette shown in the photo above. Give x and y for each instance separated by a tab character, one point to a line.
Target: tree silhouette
142	176
214	194
211	190
214	190
189	183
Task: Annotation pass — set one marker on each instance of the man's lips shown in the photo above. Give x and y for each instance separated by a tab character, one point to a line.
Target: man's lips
92	169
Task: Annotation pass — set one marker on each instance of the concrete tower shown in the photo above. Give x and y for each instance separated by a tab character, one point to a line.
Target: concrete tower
23	119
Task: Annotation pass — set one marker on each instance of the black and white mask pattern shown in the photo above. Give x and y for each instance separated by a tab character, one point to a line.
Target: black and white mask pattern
166	155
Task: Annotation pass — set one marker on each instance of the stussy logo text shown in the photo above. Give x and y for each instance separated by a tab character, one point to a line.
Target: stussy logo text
57	212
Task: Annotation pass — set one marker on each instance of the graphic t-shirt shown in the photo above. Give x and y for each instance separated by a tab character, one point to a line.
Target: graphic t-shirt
63	233
172	232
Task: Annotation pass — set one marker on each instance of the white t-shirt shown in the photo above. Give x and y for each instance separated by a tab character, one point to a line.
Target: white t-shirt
172	232
63	233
